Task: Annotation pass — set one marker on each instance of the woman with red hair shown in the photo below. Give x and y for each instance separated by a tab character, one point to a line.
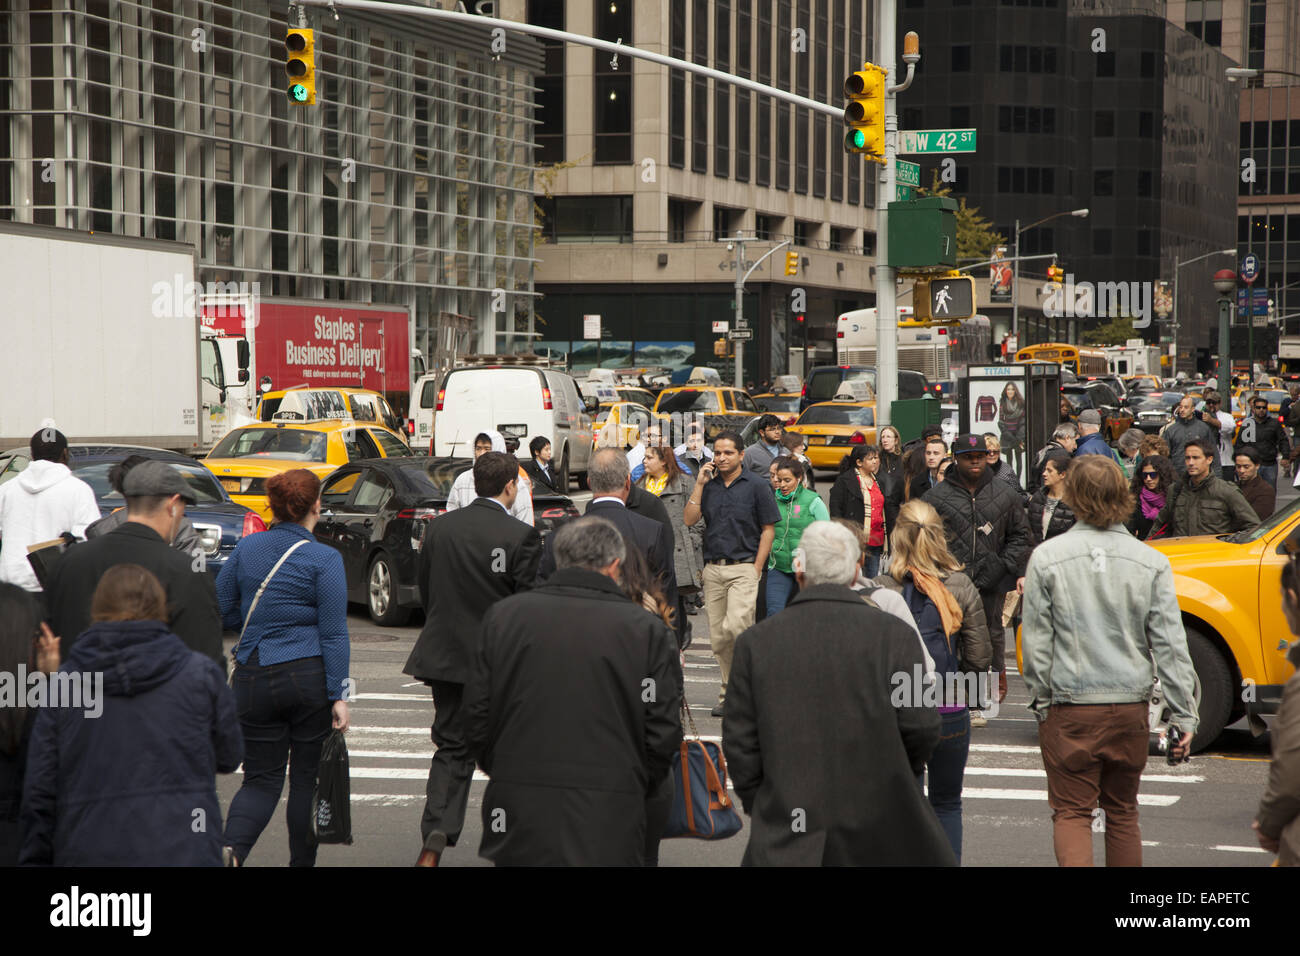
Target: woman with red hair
287	596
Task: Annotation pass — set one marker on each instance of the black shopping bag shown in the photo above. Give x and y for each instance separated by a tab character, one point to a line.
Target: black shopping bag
331	814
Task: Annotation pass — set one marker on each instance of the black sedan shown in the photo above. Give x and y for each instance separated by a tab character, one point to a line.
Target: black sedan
374	513
219	521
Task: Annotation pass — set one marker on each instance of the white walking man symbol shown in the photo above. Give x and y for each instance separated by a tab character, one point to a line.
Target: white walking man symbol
941	300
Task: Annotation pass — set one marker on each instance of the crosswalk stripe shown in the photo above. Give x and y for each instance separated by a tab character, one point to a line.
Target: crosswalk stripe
408	698
981	793
1028	772
1238	849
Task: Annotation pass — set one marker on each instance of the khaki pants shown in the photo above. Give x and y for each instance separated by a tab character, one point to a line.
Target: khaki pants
730	591
1095	755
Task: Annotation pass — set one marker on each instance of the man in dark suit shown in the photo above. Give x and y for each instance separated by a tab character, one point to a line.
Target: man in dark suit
540	473
573	667
470	559
610	481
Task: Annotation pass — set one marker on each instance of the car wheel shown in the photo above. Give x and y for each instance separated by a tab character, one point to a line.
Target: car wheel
381	594
1216	689
562	475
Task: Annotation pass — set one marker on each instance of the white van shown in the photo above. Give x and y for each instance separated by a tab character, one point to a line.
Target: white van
515	400
419	417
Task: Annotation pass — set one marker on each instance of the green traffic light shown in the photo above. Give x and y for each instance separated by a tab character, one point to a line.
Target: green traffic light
855	139
298	92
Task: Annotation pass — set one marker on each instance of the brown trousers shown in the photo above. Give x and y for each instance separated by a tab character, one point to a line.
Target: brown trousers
1095	755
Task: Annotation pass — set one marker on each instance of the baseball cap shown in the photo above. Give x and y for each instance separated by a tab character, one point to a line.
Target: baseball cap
156	478
969	444
1090	416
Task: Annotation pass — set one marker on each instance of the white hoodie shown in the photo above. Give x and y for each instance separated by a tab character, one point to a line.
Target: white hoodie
462	489
39	505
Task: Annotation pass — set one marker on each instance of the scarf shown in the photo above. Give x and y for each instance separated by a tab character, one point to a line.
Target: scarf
938	593
1152	502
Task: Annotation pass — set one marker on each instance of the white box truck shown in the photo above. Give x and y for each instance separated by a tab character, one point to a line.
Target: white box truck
102	336
1134	357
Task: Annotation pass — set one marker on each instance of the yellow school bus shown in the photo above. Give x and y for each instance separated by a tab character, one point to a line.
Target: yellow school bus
1080	361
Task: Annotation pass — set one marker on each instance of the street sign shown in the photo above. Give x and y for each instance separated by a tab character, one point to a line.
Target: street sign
1249	268
914	141
591	327
902	193
907	174
723	325
1257	299
740	335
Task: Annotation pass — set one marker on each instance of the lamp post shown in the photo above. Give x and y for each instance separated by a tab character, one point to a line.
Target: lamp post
1235	73
1015	264
1225	281
1178	265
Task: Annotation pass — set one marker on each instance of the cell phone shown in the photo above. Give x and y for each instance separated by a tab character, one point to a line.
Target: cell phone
1172	737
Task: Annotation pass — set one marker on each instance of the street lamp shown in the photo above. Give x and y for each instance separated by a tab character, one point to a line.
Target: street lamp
1225	280
1235	73
1015	264
1178	265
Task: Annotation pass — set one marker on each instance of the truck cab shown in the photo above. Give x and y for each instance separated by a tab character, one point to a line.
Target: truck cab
224	404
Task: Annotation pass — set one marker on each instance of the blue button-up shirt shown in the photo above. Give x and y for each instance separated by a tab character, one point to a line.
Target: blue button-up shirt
304	610
734	516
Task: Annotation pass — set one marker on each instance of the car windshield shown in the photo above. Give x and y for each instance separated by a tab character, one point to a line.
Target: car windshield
837	415
1078	399
292	444
1267	526
778	403
688	400
95	474
435	476
1275	398
825	383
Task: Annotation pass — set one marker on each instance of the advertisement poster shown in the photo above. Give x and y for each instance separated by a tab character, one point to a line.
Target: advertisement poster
1163	299
998	408
1000	276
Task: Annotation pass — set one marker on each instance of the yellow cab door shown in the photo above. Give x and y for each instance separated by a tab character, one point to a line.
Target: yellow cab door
1274	634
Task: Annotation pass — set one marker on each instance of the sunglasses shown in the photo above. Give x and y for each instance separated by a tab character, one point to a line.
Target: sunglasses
1150	474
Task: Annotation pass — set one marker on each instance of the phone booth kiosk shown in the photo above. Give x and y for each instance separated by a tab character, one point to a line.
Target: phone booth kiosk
1020	404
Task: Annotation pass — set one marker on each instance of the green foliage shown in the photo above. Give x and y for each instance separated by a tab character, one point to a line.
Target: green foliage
1114	331
976	236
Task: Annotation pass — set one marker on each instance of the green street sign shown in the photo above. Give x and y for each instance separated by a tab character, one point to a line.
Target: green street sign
911	142
903	193
907	174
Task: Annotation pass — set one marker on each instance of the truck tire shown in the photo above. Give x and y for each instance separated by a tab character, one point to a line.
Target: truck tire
562	474
1216	689
381	593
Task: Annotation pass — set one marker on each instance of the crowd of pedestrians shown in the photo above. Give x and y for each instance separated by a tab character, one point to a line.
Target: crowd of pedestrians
925	556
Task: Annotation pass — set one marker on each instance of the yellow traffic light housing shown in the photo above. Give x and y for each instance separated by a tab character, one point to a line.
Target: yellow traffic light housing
720	348
300	64
1055	274
865	113
792	263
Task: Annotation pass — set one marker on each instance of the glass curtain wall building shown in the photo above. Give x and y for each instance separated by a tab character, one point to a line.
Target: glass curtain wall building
409	182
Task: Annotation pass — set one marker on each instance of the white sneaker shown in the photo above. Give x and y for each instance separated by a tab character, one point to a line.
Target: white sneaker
977	719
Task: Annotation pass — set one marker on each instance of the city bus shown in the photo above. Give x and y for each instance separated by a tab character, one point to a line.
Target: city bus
938	352
1080	361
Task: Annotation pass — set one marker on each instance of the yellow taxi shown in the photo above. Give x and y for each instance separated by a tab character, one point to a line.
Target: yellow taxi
620	424
247	456
833	428
1275	396
312	403
1230	594
717	407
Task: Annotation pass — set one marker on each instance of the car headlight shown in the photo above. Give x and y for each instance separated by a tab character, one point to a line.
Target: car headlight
209	537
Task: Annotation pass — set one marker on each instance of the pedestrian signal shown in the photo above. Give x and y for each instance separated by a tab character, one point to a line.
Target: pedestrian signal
943	300
864	115
300	64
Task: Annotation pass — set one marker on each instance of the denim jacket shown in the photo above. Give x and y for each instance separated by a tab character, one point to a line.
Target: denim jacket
1098	604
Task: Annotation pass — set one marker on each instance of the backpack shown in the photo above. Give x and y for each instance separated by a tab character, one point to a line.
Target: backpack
942	648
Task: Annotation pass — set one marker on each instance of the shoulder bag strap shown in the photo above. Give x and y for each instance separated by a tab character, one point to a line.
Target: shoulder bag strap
265	581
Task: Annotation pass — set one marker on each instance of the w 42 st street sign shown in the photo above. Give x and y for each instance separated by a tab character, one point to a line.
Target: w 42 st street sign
936	141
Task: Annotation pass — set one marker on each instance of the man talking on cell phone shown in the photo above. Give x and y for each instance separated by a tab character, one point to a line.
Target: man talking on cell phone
740	515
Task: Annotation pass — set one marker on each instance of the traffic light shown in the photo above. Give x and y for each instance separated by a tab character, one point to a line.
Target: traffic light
799	318
1055	273
865	113
792	263
720	348
943	300
300	64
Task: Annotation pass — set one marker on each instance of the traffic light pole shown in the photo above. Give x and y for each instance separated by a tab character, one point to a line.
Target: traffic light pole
741	275
886	293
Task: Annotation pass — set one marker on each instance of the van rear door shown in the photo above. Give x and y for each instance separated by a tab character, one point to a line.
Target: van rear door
508	400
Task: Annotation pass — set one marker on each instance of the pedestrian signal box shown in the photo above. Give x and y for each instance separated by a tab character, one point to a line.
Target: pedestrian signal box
948	299
923	233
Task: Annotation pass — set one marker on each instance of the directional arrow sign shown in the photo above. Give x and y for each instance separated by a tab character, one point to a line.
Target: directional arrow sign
740	335
936	141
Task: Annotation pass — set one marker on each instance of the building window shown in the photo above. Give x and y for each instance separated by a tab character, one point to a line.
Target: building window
1105	63
744	29
765	227
722	218
742	135
763	104
613	107
722	91
677	213
801	117
819	156
1148	63
959	117
700	89
837	71
961	59
550	83
841	239
854	162
1204	19
677	87
1146	124
802	232
1255	35
1103	182
1144	242
1103	123
783	82
587	218
1144	182
1101	242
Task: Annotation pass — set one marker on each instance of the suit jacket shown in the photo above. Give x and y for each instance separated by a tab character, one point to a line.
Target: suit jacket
470	559
543	485
798	680
191	596
572	711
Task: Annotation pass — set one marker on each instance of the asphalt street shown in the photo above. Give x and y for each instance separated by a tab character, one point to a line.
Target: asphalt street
1195	814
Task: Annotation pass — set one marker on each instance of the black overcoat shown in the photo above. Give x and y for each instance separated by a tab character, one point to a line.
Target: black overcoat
822	760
